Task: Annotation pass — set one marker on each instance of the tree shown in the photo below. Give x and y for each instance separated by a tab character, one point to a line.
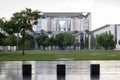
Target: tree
59	40
51	42
105	40
11	40
7	34
97	41
2	39
2	32
23	21
1	24
8	27
29	41
86	42
87	33
42	39
65	39
69	39
1	36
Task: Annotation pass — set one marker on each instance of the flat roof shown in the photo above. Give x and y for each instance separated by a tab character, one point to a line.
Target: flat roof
107	25
66	14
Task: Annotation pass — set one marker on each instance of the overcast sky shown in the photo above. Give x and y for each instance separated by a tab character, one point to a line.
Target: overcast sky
102	11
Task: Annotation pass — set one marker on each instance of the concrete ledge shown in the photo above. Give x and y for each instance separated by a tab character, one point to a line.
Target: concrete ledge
64	59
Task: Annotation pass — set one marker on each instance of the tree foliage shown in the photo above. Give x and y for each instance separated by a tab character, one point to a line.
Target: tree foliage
29	41
42	39
61	40
2	37
52	42
2	32
69	39
11	40
1	24
65	39
25	19
105	40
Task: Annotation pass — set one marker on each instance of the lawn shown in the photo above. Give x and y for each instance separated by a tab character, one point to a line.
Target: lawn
37	55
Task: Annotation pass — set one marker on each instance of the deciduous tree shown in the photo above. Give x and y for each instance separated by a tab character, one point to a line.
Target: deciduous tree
105	40
65	39
42	39
23	21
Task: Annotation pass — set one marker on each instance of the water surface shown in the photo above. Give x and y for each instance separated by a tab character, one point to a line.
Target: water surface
52	70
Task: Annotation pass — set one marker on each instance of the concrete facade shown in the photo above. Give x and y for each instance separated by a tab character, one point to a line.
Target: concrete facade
51	21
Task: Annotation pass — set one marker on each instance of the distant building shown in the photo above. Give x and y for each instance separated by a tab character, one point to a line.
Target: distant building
57	22
113	28
61	21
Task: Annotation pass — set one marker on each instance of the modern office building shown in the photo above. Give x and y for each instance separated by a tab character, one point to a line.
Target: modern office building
113	28
57	22
62	21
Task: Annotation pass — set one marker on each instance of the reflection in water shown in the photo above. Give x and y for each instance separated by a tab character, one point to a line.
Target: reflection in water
27	71
95	78
27	78
60	77
95	71
72	70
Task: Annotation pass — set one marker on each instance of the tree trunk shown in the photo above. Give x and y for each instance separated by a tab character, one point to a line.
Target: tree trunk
23	53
